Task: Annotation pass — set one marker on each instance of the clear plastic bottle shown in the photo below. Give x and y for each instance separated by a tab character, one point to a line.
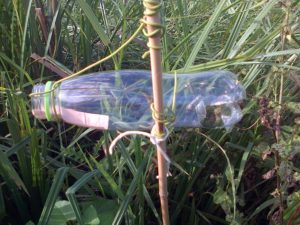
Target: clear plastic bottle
121	100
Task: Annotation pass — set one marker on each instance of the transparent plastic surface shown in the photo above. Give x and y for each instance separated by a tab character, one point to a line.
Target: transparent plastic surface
121	100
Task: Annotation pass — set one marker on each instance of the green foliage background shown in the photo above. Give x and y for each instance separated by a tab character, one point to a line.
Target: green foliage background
54	173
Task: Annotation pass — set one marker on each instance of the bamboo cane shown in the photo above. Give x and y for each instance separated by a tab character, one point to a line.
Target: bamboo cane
156	72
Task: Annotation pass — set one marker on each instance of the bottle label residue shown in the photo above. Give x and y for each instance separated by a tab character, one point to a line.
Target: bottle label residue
87	119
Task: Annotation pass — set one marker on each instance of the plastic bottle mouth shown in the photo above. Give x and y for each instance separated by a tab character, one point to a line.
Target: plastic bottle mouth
40	103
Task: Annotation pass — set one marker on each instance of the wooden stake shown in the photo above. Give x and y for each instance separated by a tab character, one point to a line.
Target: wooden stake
156	72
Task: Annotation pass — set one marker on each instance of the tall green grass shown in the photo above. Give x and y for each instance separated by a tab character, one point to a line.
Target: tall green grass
54	173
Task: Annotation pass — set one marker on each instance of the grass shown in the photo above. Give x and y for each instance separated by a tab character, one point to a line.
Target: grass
54	172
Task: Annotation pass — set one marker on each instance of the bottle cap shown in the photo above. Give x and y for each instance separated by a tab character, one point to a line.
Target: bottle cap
40	103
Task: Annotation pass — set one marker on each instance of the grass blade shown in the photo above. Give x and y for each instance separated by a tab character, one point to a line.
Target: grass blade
204	34
17	147
129	194
94	21
261	207
8	172
109	179
82	135
58	181
24	40
134	170
243	163
235	31
256	23
16	66
279	53
70	193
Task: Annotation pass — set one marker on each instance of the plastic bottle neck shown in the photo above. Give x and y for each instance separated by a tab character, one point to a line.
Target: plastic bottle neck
42	104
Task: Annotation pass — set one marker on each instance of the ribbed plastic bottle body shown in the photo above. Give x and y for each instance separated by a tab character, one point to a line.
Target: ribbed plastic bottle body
122	99
107	101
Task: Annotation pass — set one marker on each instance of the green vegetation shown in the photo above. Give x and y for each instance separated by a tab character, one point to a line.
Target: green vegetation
54	173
